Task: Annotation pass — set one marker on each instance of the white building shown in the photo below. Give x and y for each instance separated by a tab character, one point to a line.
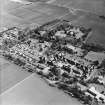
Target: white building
95	94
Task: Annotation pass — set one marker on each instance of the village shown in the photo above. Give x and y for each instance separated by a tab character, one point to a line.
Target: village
59	54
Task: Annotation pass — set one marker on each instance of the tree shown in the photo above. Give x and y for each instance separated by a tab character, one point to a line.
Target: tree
96	63
93	47
102	17
94	102
9	57
103	64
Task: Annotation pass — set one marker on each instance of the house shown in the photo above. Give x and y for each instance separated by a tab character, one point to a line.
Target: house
75	71
95	94
60	34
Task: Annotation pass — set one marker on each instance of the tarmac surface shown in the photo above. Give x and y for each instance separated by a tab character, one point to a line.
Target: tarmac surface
38	12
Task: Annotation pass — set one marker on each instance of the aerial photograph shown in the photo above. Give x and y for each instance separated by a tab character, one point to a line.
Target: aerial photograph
52	52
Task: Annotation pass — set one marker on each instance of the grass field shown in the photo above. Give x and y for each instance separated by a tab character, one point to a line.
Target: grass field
98	28
87	14
94	6
10	75
34	91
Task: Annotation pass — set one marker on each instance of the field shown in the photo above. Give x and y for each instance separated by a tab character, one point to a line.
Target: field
10	74
79	12
87	14
97	25
93	6
34	90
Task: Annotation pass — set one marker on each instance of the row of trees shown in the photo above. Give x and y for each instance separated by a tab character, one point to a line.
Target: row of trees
93	47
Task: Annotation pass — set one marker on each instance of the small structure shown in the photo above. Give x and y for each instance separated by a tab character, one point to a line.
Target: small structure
95	94
60	34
